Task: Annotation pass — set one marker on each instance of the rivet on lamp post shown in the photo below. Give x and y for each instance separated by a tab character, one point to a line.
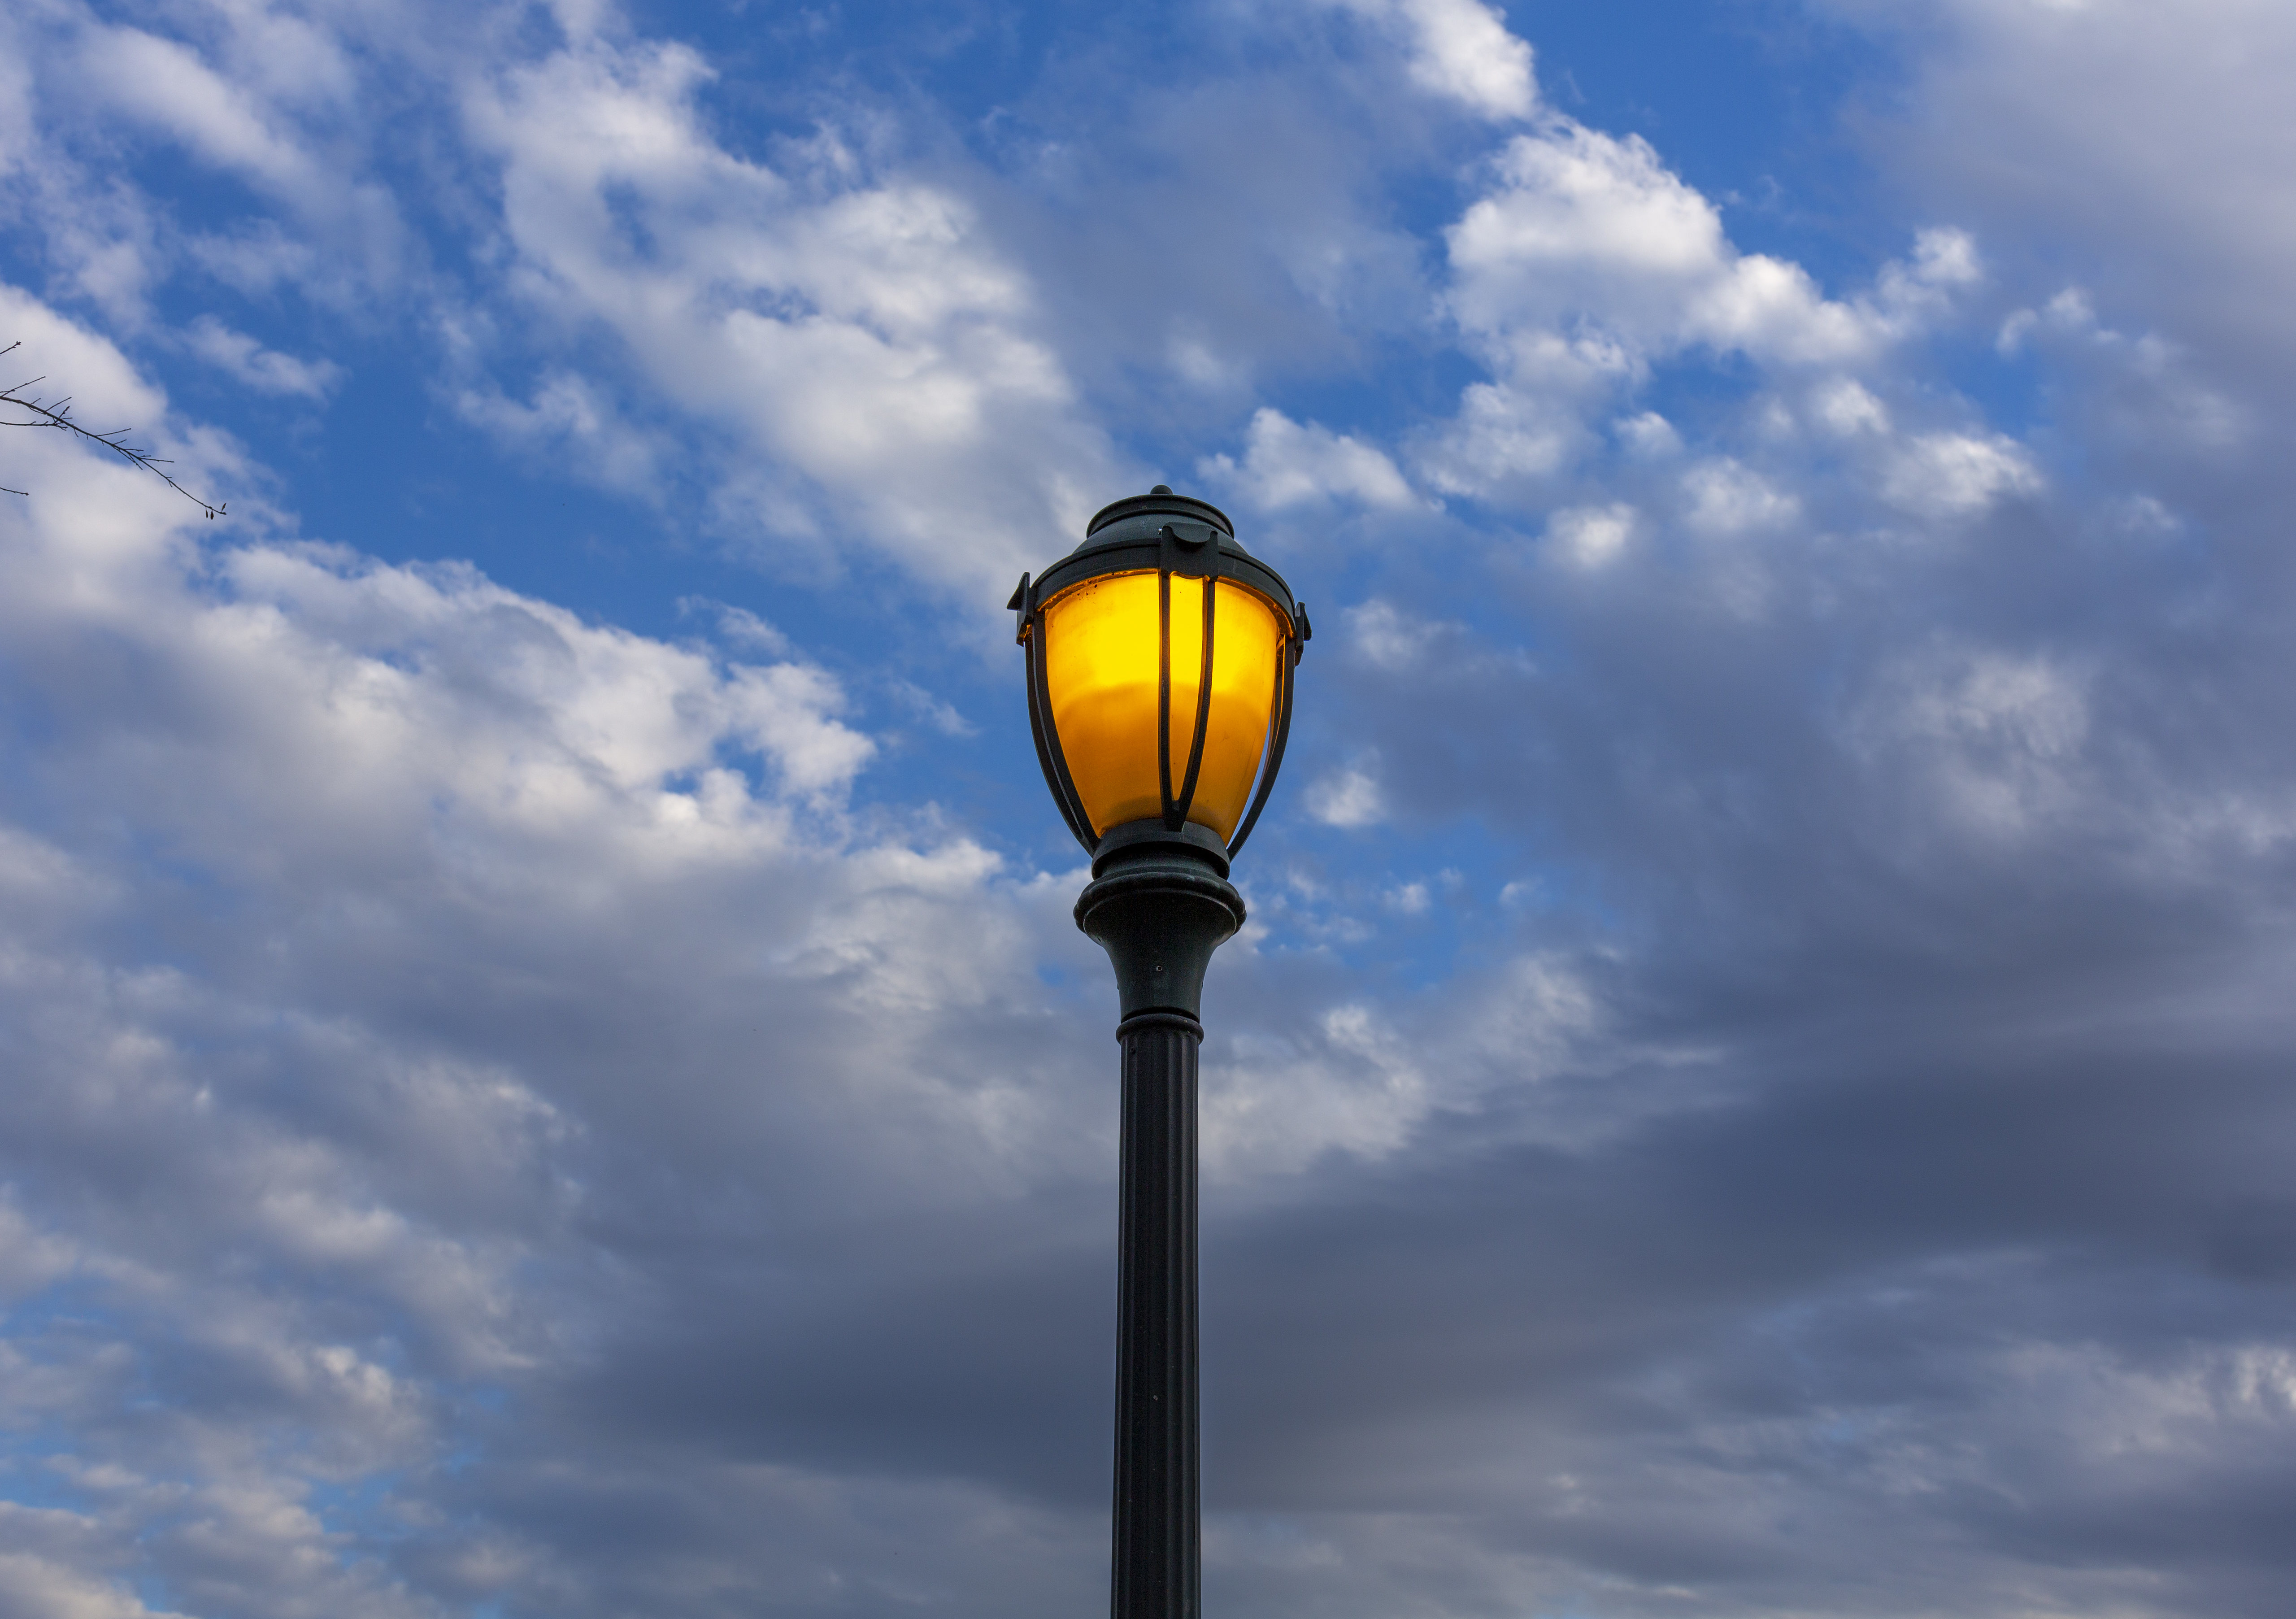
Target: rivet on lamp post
1159	663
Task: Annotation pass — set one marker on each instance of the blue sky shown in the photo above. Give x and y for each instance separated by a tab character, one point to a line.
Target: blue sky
547	1068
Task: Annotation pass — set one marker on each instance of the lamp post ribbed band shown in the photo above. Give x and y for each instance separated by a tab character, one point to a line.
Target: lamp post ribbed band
1157	1562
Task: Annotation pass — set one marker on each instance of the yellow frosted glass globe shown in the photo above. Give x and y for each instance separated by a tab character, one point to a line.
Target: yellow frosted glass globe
1101	661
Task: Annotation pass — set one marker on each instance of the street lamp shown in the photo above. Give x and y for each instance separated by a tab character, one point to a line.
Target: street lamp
1160	660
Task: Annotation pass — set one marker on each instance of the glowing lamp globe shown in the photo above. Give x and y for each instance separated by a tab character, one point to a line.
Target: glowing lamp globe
1159	668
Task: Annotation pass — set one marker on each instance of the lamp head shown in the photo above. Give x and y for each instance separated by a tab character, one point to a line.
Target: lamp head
1159	665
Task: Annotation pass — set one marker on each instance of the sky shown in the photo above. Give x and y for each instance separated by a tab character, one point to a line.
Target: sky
545	1068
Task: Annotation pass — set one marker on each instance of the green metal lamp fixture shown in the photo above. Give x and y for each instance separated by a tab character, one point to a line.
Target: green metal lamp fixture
1159	668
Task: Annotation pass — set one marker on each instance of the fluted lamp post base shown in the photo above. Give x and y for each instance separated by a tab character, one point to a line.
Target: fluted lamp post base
1159	904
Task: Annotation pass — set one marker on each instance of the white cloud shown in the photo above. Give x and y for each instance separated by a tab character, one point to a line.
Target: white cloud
1288	464
257	94
1395	642
31	1584
866	336
1359	1081
1728	497
1584	224
1572	200
164	82
784	712
1511	437
2143	388
1846	408
1350	797
1587	261
1995	738
1648	435
1588	537
740	626
264	369
103	385
2027	705
1460	50
1385	637
1951	475
577	427
1202	366
1360	1090
30	1258
1770	308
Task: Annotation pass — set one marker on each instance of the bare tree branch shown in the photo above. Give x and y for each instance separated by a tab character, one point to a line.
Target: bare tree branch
40	413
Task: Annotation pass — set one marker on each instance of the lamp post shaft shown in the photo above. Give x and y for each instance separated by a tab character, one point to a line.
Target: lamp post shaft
1160	906
1157	1547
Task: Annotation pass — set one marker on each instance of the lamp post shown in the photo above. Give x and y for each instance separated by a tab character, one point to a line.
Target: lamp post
1160	660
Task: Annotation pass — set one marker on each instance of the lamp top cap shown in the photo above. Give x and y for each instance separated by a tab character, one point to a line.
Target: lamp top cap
1162	502
1189	538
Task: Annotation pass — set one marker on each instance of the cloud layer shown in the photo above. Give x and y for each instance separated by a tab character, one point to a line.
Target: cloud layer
1756	1081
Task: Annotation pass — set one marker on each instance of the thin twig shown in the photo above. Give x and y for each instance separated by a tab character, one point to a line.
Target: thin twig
58	416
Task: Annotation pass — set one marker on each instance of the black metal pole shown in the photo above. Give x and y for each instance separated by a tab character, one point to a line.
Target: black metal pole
1155	1542
1159	906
